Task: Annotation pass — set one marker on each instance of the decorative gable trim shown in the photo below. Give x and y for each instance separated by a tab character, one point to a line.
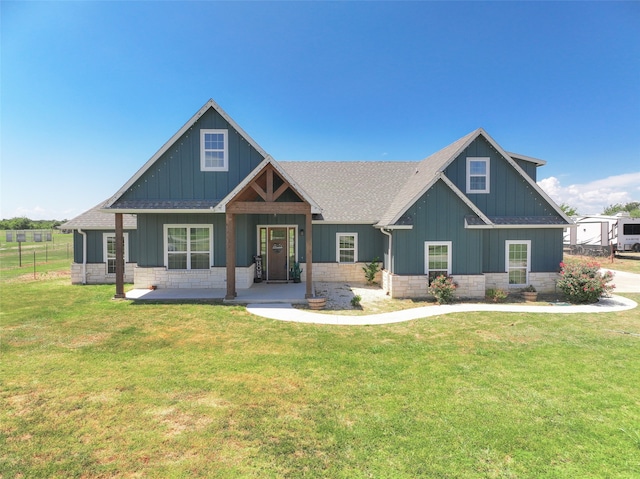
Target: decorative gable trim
250	178
192	121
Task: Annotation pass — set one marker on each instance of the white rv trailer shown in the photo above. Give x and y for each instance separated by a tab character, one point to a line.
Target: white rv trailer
596	233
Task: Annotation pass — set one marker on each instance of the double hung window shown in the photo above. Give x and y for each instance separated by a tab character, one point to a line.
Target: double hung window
437	259
214	152
109	252
477	175
188	246
347	247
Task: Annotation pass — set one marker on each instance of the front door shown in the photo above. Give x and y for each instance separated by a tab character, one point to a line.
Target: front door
277	253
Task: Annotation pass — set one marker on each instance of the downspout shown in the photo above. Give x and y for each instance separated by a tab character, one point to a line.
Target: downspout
388	233
84	255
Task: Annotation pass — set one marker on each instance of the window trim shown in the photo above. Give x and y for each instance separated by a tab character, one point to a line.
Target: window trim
448	244
487	175
165	245
507	269
105	249
225	150
355	247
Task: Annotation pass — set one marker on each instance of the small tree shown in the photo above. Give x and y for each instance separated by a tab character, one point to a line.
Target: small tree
582	282
370	271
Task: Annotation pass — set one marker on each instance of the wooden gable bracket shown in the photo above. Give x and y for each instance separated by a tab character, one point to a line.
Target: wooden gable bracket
260	196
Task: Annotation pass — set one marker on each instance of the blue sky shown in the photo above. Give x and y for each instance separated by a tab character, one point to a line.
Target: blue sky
91	90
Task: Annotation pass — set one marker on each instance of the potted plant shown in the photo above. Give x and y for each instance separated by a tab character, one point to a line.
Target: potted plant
530	293
295	272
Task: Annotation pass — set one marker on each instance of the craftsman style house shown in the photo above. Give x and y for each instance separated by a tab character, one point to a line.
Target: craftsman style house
211	209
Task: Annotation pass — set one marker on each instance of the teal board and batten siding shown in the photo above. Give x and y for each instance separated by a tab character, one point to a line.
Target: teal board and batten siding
370	242
95	245
437	216
546	248
151	235
509	193
176	174
530	168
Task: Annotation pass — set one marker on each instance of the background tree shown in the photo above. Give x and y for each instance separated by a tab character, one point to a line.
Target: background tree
569	210
633	208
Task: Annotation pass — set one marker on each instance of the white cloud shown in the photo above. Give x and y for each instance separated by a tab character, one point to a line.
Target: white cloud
595	196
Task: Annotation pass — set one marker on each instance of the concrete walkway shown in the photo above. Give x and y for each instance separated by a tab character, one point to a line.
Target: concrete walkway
286	312
625	282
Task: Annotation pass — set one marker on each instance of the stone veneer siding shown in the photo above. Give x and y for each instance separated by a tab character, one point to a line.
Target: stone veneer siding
469	286
543	282
215	278
401	286
97	273
348	272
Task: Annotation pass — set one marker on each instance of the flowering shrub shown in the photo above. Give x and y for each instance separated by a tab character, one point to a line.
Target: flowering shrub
581	281
442	287
496	295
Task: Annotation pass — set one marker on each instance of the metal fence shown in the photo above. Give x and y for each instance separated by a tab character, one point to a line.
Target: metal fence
28	236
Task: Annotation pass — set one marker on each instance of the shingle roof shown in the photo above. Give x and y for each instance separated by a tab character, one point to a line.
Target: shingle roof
425	173
94	219
164	204
474	221
351	191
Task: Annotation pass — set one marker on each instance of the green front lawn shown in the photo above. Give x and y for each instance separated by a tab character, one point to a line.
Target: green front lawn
91	387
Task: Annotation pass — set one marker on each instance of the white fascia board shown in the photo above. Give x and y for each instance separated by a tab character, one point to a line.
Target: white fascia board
435	178
394	227
176	136
411	202
464	198
537	161
526	177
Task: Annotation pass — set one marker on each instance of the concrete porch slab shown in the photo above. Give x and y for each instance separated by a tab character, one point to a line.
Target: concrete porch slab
291	293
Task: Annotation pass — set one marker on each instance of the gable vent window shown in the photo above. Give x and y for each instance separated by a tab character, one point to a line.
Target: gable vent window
477	175
214	151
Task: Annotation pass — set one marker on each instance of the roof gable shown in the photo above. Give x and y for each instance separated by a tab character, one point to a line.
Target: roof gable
432	168
173	143
253	184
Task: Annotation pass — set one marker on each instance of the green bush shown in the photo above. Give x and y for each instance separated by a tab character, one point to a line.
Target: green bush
370	271
582	282
443	288
355	301
496	295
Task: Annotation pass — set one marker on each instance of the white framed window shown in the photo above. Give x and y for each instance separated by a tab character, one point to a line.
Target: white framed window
346	247
188	246
518	261
214	150
109	250
478	174
437	259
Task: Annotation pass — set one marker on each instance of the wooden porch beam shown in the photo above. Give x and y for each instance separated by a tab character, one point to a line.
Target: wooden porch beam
119	257
231	255
309	254
280	208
